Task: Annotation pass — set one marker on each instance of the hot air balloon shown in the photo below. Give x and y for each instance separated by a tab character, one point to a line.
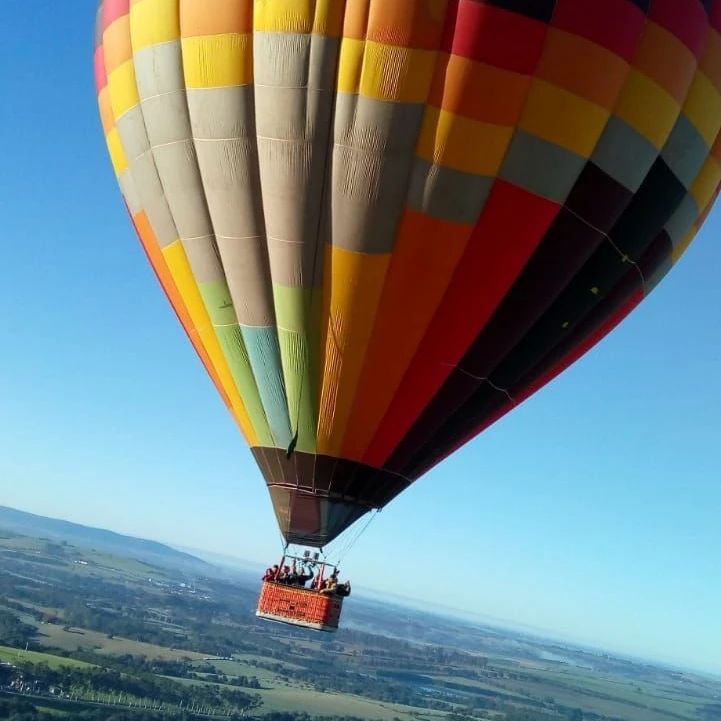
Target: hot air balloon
384	224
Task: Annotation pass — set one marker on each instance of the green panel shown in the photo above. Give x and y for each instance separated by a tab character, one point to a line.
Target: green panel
298	316
222	314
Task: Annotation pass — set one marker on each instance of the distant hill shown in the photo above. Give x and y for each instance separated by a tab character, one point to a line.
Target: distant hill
28	524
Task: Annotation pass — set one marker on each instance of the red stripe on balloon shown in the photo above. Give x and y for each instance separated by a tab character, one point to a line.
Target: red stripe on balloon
481	32
508	232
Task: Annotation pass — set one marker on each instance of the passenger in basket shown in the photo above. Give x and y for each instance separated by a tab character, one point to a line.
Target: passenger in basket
271	573
343	589
285	575
331	584
304	576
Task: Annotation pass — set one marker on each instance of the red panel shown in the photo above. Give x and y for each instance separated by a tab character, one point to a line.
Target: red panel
114	9
498	37
686	19
509	230
101	78
614	24
715	15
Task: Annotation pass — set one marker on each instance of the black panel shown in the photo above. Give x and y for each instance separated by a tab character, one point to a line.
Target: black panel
598	198
642	5
323	473
537	9
342	478
654	203
656	255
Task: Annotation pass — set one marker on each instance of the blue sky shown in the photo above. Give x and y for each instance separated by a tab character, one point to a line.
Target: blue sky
592	511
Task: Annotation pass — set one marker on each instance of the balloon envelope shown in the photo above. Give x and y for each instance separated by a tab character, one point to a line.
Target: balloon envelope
385	223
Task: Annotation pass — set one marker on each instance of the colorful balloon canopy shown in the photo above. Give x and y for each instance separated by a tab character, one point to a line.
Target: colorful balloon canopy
385	223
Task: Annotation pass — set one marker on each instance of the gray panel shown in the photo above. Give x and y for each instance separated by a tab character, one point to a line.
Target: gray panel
295	76
131	127
295	60
219	113
685	151
682	219
232	188
204	260
294	264
152	195
181	180
624	154
224	131
246	270
447	193
159	69
373	156
130	194
166	118
540	167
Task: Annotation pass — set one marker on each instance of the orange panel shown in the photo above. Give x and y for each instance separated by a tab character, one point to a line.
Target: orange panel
215	17
478	91
665	59
423	263
583	67
409	23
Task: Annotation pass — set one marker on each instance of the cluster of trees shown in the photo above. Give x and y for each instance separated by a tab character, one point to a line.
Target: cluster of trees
14	632
96	680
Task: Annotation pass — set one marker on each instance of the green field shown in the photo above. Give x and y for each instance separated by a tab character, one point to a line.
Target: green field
18	656
54	636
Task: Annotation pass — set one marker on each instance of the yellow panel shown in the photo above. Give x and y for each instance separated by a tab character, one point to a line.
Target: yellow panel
153	22
116	43
355	283
350	65
706	183
179	267
645	106
117	152
703	107
323	17
396	73
682	247
123	89
218	60
563	118
462	143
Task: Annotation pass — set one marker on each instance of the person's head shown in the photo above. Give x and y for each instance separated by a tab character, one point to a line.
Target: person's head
275	567
286	568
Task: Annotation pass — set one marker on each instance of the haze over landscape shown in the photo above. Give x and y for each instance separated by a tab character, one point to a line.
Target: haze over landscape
591	513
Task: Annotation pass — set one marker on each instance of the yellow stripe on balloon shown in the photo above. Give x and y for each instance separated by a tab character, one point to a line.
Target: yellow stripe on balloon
348	326
182	274
563	118
153	22
703	107
123	89
385	72
218	60
457	142
706	183
322	17
117	153
648	108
